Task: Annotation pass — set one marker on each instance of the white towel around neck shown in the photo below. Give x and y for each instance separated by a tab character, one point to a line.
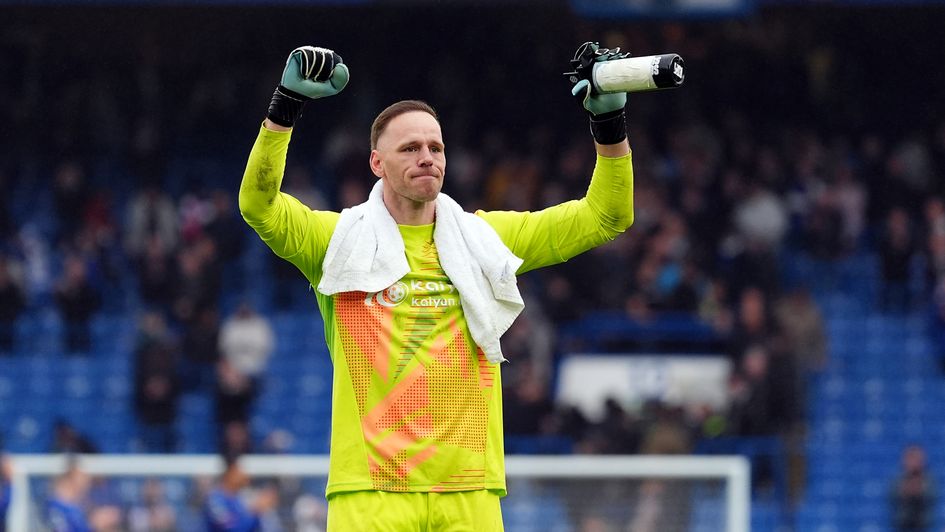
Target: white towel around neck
366	254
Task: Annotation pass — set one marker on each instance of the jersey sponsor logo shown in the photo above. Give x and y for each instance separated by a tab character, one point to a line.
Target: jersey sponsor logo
397	293
435	302
431	286
390	297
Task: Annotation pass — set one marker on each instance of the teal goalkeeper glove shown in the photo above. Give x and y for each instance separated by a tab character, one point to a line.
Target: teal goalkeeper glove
310	73
606	111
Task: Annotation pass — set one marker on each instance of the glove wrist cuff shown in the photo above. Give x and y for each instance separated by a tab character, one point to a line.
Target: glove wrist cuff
609	128
286	106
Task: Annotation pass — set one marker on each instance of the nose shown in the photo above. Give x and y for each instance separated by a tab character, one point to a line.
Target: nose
426	157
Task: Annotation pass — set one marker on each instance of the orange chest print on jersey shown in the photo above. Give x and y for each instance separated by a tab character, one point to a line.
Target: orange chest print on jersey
421	385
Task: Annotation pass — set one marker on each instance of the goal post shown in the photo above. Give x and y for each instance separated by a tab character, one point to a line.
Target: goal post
560	486
732	471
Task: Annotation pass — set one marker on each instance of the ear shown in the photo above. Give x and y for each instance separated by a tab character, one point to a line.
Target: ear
376	165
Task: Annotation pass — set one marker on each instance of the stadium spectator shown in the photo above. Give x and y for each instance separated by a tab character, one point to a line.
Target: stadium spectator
156	384
236	439
849	198
195	212
70	195
156	275
913	494
897	249
825	231
224	509
526	403
151	216
67	510
12	302
761	406
760	221
234	395
77	299
753	326
223	226
750	411
714	307
664	431
67	439
200	351
197	280
152	513
246	343
785	389
800	351
935	240
800	326
95	242
618	432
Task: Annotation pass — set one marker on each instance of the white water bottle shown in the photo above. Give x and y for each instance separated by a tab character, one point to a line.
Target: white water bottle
621	73
637	74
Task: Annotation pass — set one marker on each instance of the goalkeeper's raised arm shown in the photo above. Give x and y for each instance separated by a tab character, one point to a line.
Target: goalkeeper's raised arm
310	73
281	220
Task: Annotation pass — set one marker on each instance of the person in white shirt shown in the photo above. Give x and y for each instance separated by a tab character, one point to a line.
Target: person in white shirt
246	343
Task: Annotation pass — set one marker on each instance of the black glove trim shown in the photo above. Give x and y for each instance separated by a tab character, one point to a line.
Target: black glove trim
286	106
609	128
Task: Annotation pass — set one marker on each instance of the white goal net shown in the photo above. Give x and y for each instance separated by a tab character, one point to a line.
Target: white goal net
576	493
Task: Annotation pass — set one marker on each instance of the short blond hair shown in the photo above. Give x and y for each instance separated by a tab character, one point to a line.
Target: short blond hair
395	110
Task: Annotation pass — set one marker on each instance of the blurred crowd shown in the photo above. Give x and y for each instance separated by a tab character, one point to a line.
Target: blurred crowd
121	198
75	501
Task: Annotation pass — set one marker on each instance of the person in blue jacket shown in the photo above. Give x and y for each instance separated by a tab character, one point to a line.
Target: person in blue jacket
6	490
66	509
225	510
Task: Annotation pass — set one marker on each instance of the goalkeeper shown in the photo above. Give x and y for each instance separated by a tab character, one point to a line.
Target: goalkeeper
415	294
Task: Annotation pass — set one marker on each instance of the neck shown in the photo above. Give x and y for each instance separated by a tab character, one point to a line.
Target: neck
405	211
66	494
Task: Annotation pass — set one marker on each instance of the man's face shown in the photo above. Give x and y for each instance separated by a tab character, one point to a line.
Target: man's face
410	156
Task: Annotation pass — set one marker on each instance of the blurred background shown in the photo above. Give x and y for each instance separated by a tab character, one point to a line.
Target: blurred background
781	294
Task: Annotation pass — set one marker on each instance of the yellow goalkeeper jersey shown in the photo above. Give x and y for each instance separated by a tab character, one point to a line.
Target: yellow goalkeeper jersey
416	406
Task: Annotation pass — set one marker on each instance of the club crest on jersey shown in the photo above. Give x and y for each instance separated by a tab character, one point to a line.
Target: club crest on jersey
390	297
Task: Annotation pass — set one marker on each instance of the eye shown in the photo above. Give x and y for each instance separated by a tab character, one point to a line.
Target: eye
436	149
411	148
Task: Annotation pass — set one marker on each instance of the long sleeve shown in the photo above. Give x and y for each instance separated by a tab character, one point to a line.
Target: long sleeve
556	234
263	175
292	230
